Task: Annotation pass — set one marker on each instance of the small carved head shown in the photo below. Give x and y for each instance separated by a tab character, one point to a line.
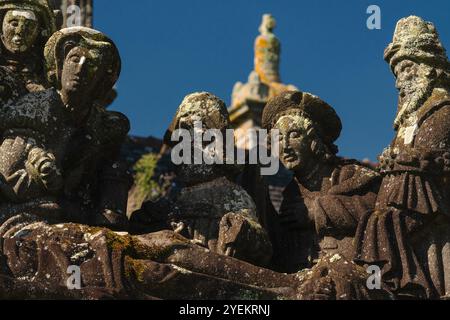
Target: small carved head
25	24
418	61
268	24
203	107
20	29
211	112
82	61
308	128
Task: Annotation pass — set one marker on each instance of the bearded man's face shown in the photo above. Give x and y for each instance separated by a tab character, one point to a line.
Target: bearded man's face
414	83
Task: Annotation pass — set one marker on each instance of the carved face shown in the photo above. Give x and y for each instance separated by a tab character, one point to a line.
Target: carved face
406	72
81	72
19	31
414	82
295	144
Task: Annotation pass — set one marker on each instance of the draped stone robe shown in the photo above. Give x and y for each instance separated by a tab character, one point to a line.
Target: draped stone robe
314	224
408	234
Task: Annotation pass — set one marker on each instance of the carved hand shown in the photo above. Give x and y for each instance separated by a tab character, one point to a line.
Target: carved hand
41	165
243	238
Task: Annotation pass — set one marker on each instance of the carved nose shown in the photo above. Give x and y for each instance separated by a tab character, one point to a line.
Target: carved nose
286	143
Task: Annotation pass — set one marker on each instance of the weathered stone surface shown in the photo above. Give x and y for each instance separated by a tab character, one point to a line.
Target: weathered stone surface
63	189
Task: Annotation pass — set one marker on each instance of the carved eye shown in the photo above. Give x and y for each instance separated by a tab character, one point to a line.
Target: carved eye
75	59
14	23
295	134
406	67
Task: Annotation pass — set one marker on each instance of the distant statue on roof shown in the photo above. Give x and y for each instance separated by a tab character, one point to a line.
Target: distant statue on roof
264	82
267	51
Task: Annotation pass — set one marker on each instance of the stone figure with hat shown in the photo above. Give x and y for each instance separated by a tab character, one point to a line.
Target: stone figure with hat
408	233
328	195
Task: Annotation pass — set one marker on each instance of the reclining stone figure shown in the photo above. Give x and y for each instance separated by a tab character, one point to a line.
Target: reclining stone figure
408	233
328	195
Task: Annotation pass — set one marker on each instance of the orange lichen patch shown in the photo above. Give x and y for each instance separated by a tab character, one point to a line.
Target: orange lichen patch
267	58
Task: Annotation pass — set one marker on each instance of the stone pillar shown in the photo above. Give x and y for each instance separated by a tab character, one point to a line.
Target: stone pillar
71	16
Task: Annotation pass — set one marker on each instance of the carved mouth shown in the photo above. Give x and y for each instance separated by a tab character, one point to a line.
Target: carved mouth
17	40
75	81
289	158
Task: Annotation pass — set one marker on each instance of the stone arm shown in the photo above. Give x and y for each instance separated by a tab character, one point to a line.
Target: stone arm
114	179
242	237
114	183
338	212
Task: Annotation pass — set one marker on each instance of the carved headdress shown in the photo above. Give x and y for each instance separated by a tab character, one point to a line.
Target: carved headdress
416	40
325	120
62	41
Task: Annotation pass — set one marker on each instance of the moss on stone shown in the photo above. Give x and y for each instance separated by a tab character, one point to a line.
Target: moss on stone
136	268
155	252
147	187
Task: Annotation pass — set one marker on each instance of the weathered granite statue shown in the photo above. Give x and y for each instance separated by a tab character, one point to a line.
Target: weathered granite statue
37	245
328	195
212	210
38	249
63	145
408	234
26	27
58	147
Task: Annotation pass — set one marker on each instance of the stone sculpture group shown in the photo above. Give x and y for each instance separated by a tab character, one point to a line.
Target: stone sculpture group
64	187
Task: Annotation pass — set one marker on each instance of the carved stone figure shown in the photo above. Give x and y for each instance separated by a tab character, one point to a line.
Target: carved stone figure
26	27
328	195
267	57
267	51
408	234
210	209
58	145
248	99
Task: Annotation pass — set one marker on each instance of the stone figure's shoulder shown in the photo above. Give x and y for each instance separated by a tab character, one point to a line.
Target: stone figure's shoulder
110	127
37	110
292	191
351	176
44	97
439	99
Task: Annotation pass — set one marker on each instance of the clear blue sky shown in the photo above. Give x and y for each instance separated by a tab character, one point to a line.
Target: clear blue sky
172	48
